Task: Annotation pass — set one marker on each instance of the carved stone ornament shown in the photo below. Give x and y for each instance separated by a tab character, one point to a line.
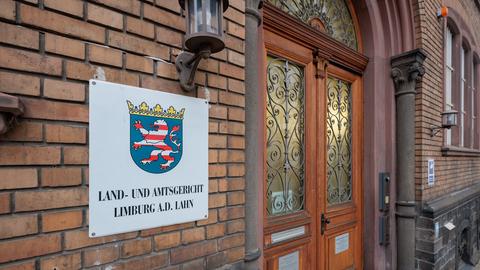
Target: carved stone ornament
407	68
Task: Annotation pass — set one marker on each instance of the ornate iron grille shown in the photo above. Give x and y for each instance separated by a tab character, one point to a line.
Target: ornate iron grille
285	137
339	141
334	15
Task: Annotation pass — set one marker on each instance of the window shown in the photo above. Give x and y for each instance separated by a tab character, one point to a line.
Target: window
285	137
473	107
475	103
448	80
462	112
461	91
339	141
332	16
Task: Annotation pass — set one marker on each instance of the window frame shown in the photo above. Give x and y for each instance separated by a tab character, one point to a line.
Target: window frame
473	103
476	100
461	90
449	72
462	108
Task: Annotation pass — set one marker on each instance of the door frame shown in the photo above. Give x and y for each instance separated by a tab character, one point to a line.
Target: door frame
355	207
302	56
328	52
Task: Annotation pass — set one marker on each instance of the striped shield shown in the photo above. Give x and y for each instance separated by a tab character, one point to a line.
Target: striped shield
155	137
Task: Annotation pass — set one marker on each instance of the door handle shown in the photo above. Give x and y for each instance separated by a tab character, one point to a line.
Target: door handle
324	221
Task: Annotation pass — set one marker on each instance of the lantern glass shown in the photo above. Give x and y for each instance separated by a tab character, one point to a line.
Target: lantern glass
449	119
204	25
195	16
212	18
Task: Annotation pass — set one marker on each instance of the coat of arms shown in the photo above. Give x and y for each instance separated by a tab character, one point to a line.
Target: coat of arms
155	137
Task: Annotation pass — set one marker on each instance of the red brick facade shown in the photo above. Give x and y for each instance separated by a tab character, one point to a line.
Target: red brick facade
49	50
453	171
453	198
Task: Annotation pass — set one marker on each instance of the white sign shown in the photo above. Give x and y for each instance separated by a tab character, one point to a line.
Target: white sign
431	172
449	225
289	261
341	243
148	159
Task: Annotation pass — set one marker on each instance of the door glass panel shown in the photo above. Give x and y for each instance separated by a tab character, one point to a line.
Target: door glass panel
339	141
285	137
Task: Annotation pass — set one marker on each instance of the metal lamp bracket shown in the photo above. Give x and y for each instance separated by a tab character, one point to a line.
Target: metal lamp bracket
187	64
10	108
434	130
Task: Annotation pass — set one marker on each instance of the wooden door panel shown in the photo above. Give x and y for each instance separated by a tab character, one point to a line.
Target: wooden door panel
279	225
276	240
344	218
290	259
340	249
341	220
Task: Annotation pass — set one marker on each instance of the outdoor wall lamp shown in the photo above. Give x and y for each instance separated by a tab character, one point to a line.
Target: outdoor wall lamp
204	36
449	119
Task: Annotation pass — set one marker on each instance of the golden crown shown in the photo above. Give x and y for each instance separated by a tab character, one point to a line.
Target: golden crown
156	111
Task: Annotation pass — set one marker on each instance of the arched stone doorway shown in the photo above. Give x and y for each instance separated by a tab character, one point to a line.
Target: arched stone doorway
388	29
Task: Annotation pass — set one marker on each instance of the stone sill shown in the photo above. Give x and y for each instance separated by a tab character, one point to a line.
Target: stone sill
438	206
454	151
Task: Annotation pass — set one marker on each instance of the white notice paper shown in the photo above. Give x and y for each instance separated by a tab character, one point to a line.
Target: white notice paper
148	154
341	243
449	225
431	172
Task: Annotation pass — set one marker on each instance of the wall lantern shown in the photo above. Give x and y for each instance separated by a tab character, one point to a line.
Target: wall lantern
204	36
449	120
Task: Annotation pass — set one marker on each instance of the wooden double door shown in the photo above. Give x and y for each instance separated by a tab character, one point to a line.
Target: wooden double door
312	158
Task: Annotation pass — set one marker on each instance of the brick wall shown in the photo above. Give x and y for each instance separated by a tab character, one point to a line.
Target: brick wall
49	49
438	247
451	173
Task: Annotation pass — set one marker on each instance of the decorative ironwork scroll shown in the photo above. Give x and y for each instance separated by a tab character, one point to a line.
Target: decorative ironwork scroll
339	141
285	137
334	15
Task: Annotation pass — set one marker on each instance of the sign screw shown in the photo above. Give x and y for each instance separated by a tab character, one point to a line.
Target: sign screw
94	83
93	234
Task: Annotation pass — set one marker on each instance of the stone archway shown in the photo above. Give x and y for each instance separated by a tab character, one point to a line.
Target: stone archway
387	29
